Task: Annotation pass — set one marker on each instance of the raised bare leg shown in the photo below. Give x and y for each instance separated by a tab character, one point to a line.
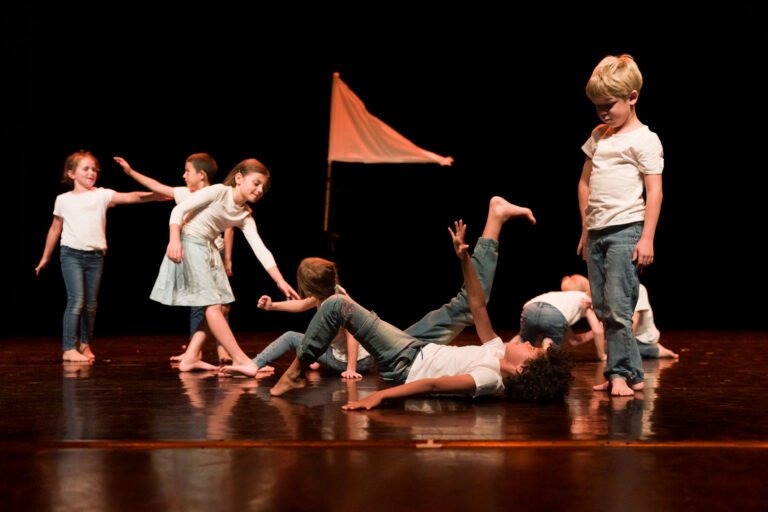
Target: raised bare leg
500	211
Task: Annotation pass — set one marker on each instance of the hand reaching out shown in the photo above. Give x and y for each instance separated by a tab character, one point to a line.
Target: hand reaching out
265	303
457	234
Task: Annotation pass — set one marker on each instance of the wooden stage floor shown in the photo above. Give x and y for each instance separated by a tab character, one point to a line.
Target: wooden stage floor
132	433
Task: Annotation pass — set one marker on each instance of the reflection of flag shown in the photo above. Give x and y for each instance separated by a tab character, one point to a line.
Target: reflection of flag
358	136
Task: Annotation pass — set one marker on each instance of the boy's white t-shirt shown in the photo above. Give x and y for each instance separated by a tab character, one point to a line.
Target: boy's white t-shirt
479	361
616	185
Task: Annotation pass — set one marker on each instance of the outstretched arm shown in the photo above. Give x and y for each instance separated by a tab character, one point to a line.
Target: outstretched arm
136	197
288	306
281	283
54	234
475	292
452	384
151	183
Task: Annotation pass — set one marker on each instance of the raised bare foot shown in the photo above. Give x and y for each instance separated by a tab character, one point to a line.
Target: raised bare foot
74	356
505	210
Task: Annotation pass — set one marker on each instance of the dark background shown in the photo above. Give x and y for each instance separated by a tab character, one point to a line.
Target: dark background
501	91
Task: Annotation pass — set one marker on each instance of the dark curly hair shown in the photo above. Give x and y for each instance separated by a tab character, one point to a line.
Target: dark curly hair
543	379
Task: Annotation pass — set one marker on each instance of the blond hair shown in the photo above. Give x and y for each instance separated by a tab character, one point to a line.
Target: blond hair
574	283
615	76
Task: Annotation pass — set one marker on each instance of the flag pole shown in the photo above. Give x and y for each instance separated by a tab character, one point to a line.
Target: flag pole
327	197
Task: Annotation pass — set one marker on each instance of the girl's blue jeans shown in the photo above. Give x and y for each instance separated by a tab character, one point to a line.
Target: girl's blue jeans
82	271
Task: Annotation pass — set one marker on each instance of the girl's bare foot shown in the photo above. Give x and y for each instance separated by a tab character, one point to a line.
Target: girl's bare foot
85	349
180	357
197	364
74	356
314	366
248	369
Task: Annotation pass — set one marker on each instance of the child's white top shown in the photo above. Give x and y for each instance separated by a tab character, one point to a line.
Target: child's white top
479	361
85	218
619	163
181	194
646	328
572	304
211	211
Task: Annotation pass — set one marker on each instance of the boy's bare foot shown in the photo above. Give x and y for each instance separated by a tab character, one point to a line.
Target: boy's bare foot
287	382
197	364
618	387
267	369
505	210
314	366
85	349
74	356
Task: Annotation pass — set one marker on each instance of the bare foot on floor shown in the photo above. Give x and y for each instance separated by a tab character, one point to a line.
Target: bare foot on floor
180	357
74	356
619	387
664	352
286	383
267	369
87	352
196	365
233	370
505	210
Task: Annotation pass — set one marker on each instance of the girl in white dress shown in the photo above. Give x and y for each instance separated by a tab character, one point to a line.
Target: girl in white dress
192	272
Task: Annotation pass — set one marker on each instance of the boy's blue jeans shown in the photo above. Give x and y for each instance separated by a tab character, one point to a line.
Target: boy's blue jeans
614	283
82	271
392	348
